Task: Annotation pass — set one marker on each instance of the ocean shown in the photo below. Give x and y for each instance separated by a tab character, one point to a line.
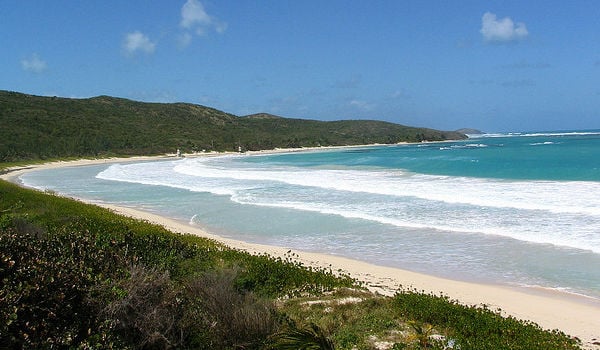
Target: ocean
520	209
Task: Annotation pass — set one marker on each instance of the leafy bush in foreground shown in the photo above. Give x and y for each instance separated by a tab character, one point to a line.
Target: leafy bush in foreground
235	319
276	276
45	283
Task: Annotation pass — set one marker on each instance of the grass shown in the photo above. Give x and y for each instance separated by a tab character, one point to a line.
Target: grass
416	320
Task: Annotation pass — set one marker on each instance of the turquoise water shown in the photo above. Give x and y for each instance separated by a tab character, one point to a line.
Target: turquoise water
529	156
518	209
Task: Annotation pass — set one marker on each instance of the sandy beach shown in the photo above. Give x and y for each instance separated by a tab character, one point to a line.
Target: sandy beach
575	315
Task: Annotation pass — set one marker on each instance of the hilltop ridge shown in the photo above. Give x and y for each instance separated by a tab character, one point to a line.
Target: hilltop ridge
37	127
262	116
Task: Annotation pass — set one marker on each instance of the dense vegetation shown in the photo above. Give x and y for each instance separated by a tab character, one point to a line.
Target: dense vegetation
35	127
78	276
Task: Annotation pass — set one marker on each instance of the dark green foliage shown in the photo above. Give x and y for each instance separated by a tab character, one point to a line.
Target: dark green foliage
233	319
46	280
35	127
149	310
76	275
145	310
274	276
478	327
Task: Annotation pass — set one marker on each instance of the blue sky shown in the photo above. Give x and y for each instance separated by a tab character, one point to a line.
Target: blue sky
492	65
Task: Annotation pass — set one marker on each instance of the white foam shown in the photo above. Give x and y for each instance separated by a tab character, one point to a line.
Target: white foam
553	196
573	133
538	134
560	213
560	197
542	143
468	145
425	215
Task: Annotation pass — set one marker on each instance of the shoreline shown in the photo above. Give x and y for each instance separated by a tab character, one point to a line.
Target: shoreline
551	309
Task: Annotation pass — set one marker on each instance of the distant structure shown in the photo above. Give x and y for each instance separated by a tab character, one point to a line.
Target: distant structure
178	153
240	149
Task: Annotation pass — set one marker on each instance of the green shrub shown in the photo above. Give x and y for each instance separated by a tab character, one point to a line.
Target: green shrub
75	275
46	280
276	276
146	310
473	327
236	319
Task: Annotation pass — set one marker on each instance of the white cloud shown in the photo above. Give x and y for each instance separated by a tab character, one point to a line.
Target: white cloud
193	14
501	30
194	18
34	64
138	42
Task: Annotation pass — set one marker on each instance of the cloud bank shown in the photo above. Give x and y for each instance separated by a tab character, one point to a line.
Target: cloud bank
501	30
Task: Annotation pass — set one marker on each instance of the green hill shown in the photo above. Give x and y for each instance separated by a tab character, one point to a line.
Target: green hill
36	127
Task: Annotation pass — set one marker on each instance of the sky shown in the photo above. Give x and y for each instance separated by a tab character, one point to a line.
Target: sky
491	65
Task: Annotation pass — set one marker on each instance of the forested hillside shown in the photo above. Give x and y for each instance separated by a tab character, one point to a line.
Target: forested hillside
35	127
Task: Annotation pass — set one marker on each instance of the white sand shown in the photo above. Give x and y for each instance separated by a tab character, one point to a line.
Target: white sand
575	315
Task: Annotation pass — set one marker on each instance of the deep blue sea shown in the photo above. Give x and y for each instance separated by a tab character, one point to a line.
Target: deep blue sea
517	209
